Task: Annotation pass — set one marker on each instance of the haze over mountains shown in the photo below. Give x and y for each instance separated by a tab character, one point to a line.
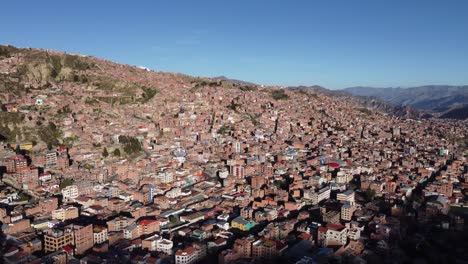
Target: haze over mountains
444	100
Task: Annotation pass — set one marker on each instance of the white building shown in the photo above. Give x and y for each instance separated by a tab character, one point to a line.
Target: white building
157	243
190	254
317	197
333	235
100	235
174	193
70	192
347	196
164	177
343	177
237	146
347	211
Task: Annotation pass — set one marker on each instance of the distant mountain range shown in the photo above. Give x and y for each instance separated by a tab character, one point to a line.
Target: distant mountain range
438	100
371	102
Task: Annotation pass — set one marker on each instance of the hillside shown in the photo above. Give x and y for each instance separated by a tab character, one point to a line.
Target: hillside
457	113
55	98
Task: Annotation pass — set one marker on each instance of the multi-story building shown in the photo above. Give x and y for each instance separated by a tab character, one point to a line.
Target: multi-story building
70	192
186	256
242	224
49	204
332	235
15	163
347	211
331	216
56	239
51	159
164	177
83	238
65	213
247	212
157	243
27	176
237	171
148	226
16	226
244	246
118	224
257	181
237	146
267	249
190	254
346	196
100	234
317	197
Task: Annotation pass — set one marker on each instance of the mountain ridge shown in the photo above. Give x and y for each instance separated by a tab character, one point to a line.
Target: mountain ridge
434	99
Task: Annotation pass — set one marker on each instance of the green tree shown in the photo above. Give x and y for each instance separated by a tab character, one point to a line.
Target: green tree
105	153
18	149
370	194
116	152
66	182
173	219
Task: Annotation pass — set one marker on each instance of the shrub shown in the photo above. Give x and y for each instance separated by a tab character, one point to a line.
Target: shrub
279	95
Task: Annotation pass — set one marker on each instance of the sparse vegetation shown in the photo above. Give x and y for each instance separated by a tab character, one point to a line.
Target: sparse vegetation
254	119
131	145
66	182
50	134
248	88
91	101
11	118
279	95
200	84
234	106
148	94
224	129
363	110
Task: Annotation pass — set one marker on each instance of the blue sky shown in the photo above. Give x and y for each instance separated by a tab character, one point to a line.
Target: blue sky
333	43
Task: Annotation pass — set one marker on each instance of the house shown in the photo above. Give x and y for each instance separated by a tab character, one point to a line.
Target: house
242	224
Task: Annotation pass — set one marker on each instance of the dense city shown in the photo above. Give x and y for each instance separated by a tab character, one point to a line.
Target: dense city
108	163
